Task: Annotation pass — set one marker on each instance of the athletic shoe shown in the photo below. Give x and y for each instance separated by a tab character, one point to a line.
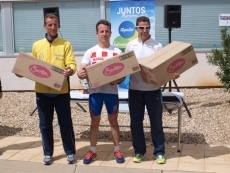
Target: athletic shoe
138	158
71	159
48	160
118	156
90	157
160	159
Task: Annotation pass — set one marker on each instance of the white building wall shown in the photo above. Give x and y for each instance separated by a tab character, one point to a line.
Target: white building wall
201	75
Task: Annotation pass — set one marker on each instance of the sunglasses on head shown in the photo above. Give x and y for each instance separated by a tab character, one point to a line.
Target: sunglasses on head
143	27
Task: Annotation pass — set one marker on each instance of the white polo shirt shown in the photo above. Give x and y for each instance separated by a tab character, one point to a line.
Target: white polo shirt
142	50
97	54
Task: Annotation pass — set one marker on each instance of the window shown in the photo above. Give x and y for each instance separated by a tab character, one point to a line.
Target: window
77	19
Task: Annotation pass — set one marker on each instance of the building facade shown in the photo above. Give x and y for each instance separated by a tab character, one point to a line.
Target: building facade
21	23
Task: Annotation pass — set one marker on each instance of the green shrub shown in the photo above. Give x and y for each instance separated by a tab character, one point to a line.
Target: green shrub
221	59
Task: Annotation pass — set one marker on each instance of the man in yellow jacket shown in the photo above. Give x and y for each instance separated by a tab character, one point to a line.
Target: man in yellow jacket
59	52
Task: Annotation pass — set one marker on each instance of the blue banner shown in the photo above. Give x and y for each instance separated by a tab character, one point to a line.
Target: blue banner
123	15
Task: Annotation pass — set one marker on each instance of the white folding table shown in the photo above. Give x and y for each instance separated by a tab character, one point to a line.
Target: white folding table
171	101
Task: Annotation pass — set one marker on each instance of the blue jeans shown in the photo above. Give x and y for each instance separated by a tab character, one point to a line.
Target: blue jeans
46	106
153	102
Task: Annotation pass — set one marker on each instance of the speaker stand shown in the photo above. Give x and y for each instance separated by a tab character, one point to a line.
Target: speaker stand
170	31
175	84
178	90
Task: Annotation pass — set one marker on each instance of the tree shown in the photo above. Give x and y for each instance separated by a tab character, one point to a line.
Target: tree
221	59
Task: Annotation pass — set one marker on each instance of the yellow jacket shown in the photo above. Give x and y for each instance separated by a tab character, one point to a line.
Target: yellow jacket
59	53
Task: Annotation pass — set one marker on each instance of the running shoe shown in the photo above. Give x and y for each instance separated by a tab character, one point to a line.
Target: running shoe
48	160
118	156
138	158
160	159
71	159
90	157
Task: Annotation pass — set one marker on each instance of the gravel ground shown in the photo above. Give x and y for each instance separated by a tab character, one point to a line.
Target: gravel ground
209	124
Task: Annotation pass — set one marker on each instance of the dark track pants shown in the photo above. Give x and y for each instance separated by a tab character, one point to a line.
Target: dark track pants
153	102
46	106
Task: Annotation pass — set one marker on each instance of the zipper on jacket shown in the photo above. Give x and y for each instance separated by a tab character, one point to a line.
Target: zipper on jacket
50	58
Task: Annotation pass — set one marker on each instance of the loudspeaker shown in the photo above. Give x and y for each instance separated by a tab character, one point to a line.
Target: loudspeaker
172	16
52	10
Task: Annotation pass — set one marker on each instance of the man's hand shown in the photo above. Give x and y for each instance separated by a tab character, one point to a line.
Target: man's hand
118	81
82	73
68	71
176	76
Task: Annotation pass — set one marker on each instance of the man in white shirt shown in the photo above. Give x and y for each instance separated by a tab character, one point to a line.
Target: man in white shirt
142	94
107	93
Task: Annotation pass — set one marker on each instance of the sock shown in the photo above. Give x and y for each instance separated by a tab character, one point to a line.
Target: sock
93	149
116	148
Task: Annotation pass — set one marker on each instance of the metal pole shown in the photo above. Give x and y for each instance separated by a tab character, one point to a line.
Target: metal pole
170	83
170	30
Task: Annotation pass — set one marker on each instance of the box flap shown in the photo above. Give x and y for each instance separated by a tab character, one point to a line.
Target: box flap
168	54
159	53
112	69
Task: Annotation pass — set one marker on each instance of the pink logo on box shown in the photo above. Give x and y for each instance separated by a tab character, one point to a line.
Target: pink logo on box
147	75
39	71
113	69
176	65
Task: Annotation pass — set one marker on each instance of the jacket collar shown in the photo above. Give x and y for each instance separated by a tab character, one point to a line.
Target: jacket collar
50	40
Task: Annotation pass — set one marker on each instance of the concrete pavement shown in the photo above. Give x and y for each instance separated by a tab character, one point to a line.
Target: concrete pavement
25	155
32	167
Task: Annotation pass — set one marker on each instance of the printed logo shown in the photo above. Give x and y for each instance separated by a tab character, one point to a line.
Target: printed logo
113	69
127	29
41	56
39	71
131	11
176	65
59	56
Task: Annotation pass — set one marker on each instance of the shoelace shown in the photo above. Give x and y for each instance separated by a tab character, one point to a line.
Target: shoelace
118	154
89	154
71	156
160	157
138	155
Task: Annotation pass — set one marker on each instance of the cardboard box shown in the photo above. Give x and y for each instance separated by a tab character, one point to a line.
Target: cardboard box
159	68
112	69
39	71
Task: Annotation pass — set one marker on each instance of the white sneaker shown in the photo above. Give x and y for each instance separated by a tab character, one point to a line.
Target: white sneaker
48	160
71	159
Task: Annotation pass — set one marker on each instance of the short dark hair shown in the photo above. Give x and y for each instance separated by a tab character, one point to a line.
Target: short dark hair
142	19
104	22
51	16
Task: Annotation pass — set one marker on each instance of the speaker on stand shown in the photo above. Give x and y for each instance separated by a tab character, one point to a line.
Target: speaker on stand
172	16
172	19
